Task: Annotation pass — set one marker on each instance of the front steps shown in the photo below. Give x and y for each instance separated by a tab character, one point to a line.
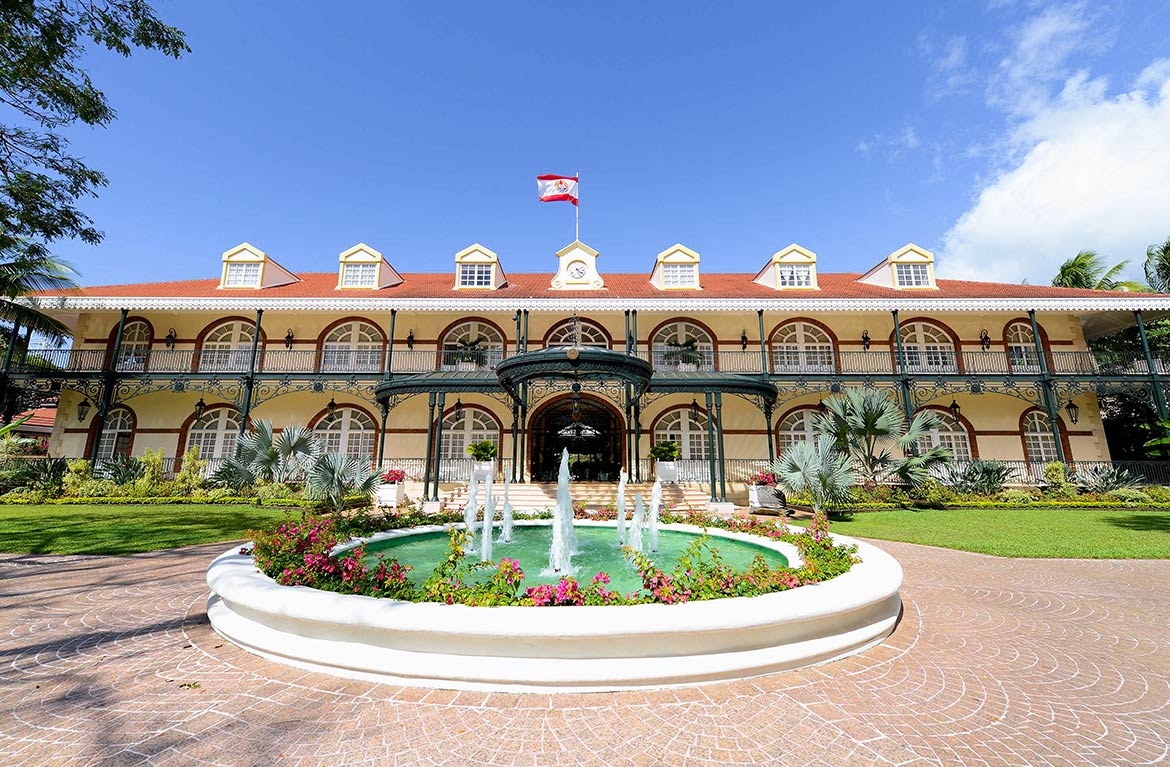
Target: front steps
539	496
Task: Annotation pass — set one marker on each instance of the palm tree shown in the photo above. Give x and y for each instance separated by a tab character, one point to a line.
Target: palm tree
334	476
28	271
867	426
819	469
261	455
1085	270
1157	267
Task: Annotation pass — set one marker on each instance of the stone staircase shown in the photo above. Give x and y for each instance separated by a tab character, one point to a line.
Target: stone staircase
537	496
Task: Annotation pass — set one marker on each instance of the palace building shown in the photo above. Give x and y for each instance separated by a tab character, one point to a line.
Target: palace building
408	369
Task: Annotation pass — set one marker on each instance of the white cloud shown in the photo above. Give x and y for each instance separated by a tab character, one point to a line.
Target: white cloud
1087	171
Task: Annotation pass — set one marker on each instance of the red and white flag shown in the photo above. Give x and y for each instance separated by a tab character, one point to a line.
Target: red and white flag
557	188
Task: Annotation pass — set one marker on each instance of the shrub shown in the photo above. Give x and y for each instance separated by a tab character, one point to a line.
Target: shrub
394	476
192	473
666	451
1157	493
336	476
1055	473
1128	495
482	451
1103	478
121	469
763	479
983	477
77	472
932	494
46	476
882	494
1023	497
96	488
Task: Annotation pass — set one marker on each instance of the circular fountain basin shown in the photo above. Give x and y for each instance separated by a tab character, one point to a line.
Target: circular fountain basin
558	649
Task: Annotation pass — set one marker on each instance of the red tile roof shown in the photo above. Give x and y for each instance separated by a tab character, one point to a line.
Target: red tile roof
42	419
841	285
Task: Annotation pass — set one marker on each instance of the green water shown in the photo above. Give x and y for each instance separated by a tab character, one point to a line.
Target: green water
599	552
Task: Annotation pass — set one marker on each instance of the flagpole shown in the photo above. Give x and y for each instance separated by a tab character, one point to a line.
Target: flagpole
577	208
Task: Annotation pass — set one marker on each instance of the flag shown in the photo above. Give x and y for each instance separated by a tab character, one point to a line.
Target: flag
557	188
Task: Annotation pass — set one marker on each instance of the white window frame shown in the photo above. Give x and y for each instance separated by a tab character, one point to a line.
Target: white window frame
928	349
476	275
562	335
349	432
802	347
352	347
951	435
681	331
473	425
214	433
242	274
794	275
1021	348
680	275
118	422
1039	440
135	346
912	275
227	347
690	433
491	351
359	275
796	427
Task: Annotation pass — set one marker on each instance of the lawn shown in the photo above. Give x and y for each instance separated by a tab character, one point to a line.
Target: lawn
124	529
1074	533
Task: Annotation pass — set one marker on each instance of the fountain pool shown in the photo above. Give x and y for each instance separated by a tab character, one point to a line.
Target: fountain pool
598	550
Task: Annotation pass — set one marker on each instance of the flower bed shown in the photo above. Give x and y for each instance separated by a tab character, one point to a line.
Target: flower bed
304	553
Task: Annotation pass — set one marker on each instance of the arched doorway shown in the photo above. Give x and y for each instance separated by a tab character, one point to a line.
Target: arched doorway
591	430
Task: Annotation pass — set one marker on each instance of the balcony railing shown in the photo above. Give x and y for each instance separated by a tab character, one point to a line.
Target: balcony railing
780	363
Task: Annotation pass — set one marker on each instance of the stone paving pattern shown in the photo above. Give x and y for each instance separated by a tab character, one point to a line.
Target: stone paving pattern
110	661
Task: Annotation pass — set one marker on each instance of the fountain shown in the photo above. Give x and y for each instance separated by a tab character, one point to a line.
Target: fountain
652	526
471	513
506	527
621	508
634	537
485	530
564	538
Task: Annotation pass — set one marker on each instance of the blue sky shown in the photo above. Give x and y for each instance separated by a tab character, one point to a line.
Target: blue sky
1004	135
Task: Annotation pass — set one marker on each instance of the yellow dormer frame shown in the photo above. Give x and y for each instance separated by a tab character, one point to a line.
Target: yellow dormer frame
477	255
268	274
384	274
794	254
911	254
676	254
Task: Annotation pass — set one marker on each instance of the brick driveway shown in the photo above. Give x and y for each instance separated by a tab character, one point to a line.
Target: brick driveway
109	660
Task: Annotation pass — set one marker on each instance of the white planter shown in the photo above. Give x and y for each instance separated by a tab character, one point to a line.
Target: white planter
483	470
391	494
754	496
762	497
667	471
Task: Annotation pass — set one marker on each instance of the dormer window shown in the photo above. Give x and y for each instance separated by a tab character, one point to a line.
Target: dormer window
794	276
680	275
912	275
242	275
475	275
359	276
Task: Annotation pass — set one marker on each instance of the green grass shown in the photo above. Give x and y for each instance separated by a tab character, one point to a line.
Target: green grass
1072	533
124	529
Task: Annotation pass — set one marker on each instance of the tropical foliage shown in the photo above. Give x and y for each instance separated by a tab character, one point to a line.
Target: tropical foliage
1088	271
263	455
333	477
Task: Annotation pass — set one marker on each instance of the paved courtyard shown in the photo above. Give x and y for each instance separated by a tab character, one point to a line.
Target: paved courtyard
110	661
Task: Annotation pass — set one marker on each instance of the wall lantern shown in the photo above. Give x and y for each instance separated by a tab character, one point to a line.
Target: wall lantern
200	407
410	339
170	339
865	342
82	410
743	339
956	411
984	339
288	339
1074	412
458	409
331	408
822	408
694	409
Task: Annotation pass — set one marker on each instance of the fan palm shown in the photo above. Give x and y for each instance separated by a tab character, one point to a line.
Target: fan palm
262	455
1157	267
334	476
1087	271
868	426
26	272
818	469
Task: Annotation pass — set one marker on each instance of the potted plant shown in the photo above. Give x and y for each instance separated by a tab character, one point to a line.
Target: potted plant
392	492
684	356
483	453
664	455
468	355
762	492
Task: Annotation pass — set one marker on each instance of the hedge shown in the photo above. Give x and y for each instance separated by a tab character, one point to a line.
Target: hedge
353	501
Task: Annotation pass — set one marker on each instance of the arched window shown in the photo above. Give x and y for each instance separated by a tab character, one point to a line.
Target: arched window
591	335
1039	442
683	346
471	345
214	433
1021	348
953	436
795	427
459	431
928	348
227	347
135	346
689	431
802	347
352	347
348	431
117	434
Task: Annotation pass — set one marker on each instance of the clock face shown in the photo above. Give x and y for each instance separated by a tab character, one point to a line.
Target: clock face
577	270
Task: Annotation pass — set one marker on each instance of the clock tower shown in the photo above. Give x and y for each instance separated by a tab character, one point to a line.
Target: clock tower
577	269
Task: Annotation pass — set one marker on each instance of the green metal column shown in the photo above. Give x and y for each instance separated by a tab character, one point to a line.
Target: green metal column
771	434
904	377
634	324
711	445
390	345
629	423
763	345
108	390
382	434
515	437
626	340
722	458
1046	388
523	430
250	376
516	319
430	446
525	330
438	458
4	393
637	441
1155	378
